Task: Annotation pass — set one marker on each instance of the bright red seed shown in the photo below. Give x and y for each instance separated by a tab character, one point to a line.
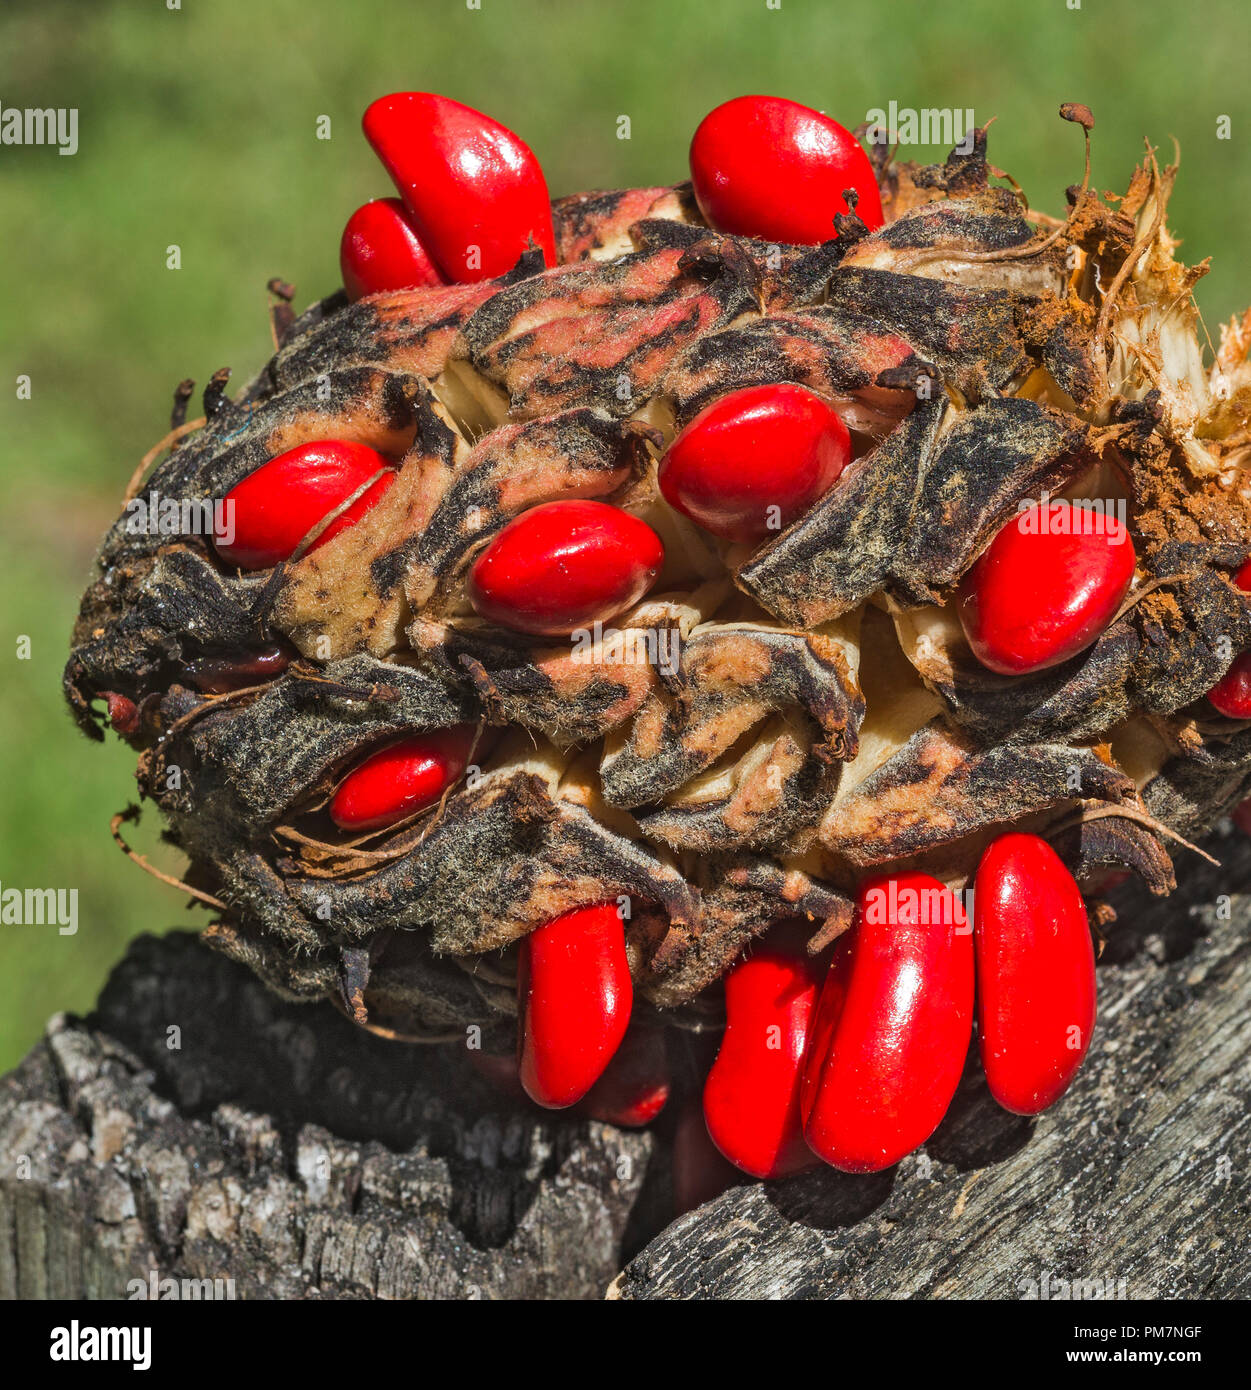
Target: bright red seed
574	995
475	192
1242	816
1046	587
770	168
1035	973
1231	695
888	1050
401	779
634	1087
564	565
755	460
751	1097
830	1002
381	250
274	508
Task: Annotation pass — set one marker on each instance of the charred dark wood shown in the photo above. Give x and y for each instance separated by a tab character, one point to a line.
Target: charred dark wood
197	1127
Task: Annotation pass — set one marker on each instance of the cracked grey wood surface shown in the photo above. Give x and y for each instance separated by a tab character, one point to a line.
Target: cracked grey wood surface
279	1146
1135	1185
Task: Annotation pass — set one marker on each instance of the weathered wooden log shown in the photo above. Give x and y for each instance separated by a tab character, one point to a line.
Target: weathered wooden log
198	1128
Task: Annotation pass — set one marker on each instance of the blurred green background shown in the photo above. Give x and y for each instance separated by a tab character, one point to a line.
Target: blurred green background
198	127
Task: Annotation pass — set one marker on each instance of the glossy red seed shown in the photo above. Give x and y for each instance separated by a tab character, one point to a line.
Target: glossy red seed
1242	816
381	250
401	779
899	1028
751	1097
565	565
1231	695
1046	587
1035	973
754	461
770	168
830	1001
635	1085
274	508
574	998
474	190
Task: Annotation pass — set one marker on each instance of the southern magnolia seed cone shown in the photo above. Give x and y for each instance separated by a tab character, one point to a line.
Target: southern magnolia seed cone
823	716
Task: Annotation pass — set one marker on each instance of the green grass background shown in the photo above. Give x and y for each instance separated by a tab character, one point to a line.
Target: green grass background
198	127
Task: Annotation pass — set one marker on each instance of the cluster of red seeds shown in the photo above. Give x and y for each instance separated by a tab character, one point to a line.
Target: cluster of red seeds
874	1039
852	1057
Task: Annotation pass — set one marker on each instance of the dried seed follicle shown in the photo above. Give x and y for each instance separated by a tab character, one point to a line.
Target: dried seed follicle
821	715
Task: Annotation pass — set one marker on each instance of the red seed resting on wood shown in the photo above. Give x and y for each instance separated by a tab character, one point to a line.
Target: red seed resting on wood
770	168
752	1095
274	508
1035	973
574	996
563	566
755	460
381	250
1036	980
893	1025
474	190
1046	587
